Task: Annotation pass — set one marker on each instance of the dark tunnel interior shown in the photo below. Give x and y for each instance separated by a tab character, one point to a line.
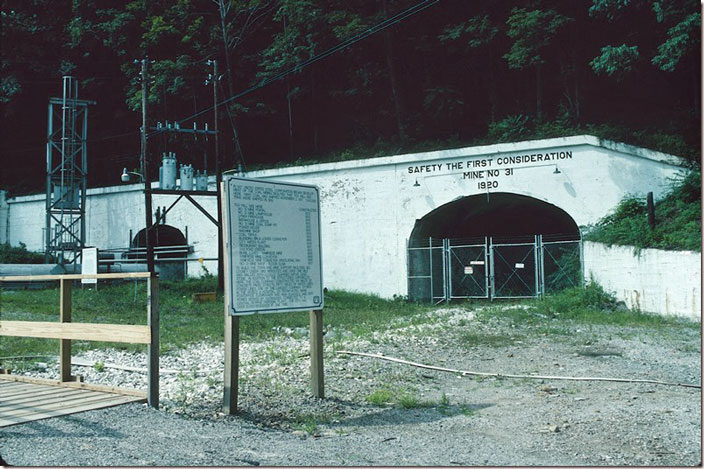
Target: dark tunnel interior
499	215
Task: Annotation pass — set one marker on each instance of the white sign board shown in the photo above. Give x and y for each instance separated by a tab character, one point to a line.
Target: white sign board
89	264
273	232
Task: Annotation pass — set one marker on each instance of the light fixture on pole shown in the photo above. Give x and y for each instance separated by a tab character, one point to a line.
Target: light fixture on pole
125	177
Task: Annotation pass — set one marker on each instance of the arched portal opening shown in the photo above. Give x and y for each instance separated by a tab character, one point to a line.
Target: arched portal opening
498	215
170	244
498	245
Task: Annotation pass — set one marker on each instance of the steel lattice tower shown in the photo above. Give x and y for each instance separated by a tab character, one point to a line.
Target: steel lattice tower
66	172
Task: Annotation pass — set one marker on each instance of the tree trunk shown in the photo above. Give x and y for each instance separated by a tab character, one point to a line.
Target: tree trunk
225	40
290	120
577	99
538	95
392	79
313	116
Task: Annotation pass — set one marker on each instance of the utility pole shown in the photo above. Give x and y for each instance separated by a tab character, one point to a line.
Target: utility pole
144	166
218	171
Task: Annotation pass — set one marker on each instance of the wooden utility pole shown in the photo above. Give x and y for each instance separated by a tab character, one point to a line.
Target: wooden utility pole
232	327
145	168
218	176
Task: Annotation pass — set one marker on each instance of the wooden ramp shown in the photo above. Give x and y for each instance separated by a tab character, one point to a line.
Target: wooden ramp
22	402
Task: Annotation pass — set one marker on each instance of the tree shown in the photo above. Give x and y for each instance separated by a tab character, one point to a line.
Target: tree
295	42
532	31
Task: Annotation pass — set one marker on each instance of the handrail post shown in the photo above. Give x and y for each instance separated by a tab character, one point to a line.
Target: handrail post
65	344
153	347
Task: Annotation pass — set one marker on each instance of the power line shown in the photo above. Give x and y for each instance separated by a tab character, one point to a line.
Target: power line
417	8
342	45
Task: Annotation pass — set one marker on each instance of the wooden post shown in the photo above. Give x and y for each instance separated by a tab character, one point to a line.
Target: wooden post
232	362
317	382
651	210
232	323
153	347
65	344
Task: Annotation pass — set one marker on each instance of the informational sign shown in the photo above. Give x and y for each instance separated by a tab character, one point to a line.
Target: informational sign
274	252
468	270
520	265
89	264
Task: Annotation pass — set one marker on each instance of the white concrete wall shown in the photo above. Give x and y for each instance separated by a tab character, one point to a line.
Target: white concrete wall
369	207
656	281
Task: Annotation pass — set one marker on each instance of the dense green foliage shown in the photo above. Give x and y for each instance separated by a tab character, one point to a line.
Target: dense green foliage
455	73
19	255
678	220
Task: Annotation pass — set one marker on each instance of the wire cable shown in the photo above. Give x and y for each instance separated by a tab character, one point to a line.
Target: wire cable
417	8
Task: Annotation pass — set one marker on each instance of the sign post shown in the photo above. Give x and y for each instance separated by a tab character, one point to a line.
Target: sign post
272	264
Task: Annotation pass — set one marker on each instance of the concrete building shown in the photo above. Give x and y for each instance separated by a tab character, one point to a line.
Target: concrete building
371	208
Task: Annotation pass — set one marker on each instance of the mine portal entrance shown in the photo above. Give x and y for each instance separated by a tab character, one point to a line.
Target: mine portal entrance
502	246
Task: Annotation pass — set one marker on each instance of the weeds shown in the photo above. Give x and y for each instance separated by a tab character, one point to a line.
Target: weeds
677	216
380	397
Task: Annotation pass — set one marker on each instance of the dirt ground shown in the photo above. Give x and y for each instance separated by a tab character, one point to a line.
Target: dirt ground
382	413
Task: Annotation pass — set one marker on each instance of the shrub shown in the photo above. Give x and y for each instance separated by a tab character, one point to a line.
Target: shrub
677	216
19	255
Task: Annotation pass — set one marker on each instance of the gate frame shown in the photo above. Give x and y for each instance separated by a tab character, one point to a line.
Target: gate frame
490	266
486	270
535	262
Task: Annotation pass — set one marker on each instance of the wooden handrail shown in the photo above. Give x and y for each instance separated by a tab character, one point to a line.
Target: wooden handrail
33	278
131	334
65	330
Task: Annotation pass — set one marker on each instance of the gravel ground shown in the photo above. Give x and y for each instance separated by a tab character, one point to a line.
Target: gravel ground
382	413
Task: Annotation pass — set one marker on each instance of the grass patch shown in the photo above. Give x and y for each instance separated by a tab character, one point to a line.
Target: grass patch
593	305
309	423
183	321
380	397
404	397
588	305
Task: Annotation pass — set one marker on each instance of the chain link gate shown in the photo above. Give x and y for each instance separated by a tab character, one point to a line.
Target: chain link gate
561	265
468	273
441	270
427	271
514	270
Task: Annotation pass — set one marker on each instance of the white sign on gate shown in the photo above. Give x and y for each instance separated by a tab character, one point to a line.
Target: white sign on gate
273	232
89	264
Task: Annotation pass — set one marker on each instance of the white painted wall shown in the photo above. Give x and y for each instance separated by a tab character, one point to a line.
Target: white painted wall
656	281
369	207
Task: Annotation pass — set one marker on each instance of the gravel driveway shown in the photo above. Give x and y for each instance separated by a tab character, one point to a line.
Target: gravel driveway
382	413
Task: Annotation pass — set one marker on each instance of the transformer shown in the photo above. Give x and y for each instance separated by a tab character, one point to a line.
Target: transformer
186	177
167	171
202	181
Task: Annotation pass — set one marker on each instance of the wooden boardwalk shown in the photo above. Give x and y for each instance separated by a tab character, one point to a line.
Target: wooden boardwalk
22	402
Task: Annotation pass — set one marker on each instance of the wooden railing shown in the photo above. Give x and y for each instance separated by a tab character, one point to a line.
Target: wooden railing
66	331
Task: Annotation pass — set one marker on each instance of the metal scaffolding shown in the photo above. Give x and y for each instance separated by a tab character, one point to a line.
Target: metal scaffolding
66	172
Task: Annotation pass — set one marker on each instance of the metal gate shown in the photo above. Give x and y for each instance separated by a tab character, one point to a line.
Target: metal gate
444	269
514	270
468	269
